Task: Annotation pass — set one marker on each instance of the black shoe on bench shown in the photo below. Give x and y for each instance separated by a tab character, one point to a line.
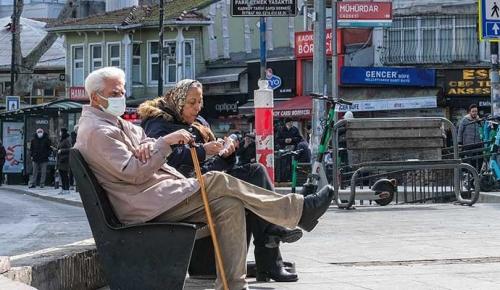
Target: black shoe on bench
315	205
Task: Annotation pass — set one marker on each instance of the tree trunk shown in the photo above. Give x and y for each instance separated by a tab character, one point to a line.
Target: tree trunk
25	66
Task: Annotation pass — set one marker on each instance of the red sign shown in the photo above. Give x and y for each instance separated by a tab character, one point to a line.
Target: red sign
77	93
364	10
304	43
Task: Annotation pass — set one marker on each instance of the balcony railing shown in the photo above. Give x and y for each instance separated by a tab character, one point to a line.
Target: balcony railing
431	40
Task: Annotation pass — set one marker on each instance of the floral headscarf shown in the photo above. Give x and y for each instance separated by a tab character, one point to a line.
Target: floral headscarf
175	99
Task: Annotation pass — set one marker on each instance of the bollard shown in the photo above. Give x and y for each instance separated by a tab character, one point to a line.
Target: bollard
264	126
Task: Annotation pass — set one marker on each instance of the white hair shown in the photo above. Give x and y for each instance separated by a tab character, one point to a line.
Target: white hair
95	80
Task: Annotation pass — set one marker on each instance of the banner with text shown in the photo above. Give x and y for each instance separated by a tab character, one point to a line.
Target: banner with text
388	76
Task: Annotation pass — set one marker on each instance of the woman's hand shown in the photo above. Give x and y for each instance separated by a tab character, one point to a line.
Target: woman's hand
213	147
179	137
230	145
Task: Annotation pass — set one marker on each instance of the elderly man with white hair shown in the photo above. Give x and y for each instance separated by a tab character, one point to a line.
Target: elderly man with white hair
142	187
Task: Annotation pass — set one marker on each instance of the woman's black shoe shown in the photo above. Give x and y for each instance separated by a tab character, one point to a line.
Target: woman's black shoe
277	234
270	266
280	275
315	205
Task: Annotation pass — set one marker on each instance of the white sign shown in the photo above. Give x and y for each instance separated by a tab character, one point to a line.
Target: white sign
389	104
12	103
13	141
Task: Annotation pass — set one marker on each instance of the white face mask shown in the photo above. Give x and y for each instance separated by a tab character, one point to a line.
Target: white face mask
40	135
116	106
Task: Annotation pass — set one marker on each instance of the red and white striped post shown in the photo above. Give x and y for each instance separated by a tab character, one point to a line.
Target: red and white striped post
264	126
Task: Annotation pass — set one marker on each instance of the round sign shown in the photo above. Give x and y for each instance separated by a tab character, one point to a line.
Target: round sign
274	82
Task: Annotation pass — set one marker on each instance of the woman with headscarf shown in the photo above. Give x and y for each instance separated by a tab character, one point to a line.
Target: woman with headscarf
179	109
63	160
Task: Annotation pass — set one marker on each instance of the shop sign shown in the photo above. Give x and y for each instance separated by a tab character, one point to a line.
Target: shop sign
467	82
222	106
304	44
390	104
77	93
364	14
269	8
13	141
292	113
280	74
227	108
388	76
12	103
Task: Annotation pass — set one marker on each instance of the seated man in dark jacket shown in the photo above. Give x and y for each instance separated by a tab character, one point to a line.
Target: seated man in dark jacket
162	116
288	135
246	152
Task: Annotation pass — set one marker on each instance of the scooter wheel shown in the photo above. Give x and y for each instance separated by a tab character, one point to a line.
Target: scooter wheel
486	183
386	200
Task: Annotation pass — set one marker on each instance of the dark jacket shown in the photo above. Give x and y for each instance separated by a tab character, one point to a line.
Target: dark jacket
63	153
40	148
246	154
285	133
2	155
468	131
157	123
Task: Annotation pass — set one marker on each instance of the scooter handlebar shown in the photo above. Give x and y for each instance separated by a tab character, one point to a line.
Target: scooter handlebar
330	99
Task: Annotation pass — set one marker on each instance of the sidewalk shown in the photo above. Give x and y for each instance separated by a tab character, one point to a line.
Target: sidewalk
421	246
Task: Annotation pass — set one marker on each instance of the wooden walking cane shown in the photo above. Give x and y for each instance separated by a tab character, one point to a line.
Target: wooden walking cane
211	225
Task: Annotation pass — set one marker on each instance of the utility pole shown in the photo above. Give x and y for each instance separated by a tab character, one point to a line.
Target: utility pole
160	52
319	71
494	80
263	48
335	57
13	29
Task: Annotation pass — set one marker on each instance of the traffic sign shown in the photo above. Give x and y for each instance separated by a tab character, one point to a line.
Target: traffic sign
266	8
489	18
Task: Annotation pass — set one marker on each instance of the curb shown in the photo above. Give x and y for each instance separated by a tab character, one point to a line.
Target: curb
45	197
73	266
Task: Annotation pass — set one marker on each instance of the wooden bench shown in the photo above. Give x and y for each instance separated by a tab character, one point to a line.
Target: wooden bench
153	255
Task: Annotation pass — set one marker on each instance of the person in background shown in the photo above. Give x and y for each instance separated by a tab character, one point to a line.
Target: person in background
73	141
63	160
469	136
288	135
247	150
2	161
40	149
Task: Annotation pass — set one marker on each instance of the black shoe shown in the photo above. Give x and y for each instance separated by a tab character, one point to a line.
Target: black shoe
315	205
32	186
277	234
270	266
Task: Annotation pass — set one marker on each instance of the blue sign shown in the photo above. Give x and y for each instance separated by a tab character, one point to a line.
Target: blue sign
388	76
274	81
489	18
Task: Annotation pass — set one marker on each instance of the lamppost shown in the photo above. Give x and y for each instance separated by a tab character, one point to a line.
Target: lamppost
13	51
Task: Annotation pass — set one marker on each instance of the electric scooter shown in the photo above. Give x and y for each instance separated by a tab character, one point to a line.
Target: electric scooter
382	191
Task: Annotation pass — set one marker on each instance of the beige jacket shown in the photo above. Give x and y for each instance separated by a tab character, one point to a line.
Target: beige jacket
138	191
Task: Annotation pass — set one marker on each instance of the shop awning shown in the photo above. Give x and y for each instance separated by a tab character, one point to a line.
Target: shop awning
221	75
59	105
300	106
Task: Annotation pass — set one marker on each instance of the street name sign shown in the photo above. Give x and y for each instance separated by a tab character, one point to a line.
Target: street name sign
489	20
265	8
364	14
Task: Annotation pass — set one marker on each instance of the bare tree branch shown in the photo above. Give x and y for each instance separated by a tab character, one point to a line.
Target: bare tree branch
25	65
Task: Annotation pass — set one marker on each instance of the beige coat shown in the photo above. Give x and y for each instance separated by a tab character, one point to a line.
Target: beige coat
138	191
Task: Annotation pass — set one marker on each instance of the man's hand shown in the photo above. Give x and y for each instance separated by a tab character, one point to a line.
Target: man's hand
143	153
213	147
179	137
